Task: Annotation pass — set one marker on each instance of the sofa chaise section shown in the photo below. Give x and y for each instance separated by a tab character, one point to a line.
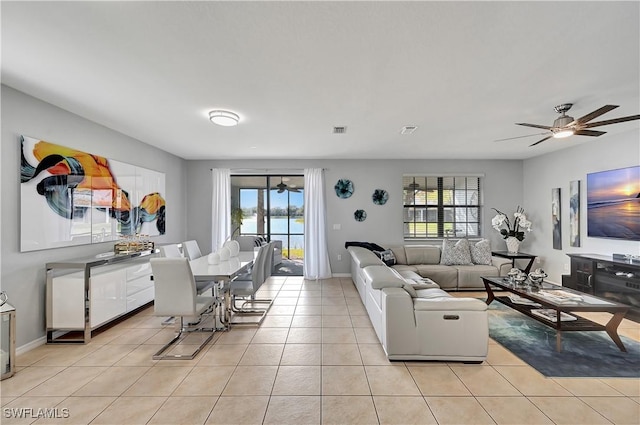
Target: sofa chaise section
431	325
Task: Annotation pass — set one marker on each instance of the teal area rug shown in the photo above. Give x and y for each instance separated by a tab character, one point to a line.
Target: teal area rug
584	354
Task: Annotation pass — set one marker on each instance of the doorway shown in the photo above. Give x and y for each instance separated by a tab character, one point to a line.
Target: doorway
272	207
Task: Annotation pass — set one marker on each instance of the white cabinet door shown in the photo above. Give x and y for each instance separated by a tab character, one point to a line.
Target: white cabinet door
67	302
140	298
108	296
139	271
140	289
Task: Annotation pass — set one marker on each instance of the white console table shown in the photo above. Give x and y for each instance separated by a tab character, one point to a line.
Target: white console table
84	294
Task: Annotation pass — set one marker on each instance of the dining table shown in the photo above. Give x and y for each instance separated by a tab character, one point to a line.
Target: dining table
222	274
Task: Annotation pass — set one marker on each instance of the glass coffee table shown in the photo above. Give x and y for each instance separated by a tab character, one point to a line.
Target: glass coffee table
553	304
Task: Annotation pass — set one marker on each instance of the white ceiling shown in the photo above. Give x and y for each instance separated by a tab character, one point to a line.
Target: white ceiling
463	72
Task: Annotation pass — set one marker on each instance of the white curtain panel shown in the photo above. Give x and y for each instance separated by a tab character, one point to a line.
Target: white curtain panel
316	251
220	207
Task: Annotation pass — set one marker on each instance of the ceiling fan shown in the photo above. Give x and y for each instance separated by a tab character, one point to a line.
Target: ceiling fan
282	187
565	126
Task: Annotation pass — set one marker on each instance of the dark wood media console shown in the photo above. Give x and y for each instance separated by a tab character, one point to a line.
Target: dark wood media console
606	277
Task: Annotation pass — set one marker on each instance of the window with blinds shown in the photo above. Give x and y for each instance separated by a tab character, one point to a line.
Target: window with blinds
437	207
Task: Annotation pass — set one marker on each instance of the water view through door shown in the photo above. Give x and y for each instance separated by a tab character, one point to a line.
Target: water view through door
271	206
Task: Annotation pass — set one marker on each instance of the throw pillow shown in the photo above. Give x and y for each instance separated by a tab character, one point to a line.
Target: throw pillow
386	256
481	252
455	253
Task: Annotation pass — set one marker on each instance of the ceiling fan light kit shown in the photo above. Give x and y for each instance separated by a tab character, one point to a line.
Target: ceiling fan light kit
563	134
565	126
283	186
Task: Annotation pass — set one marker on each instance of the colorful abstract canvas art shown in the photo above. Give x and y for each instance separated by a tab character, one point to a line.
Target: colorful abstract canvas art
70	197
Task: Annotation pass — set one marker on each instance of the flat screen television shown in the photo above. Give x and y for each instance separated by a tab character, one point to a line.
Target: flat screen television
613	204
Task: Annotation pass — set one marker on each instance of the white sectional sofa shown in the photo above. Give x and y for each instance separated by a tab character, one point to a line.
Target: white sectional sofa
425	260
413	318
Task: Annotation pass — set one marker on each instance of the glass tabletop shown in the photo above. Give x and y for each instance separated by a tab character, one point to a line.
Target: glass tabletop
549	293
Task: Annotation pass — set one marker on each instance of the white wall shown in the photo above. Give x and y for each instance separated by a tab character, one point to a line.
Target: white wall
23	274
502	189
557	169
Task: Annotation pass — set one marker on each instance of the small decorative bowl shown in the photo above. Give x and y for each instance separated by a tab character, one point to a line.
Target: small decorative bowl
537	276
520	279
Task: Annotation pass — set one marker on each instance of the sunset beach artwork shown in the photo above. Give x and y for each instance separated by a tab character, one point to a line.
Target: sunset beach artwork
613	204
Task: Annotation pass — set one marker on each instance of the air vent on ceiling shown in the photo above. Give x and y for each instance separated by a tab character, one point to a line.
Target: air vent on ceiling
408	129
339	130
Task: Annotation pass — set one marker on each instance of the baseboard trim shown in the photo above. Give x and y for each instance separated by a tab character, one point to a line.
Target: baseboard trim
341	275
31	345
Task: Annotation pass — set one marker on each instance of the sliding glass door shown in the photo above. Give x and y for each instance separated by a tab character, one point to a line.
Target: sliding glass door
271	206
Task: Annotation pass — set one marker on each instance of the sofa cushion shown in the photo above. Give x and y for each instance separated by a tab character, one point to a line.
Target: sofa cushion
432	293
455	253
449	304
386	256
471	276
422	254
481	252
405	268
398	252
445	276
502	264
382	277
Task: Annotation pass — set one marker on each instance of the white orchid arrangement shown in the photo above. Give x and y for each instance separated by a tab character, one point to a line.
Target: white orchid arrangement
520	222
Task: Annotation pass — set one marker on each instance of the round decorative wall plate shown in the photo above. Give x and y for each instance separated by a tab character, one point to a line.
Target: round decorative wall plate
360	215
380	196
344	188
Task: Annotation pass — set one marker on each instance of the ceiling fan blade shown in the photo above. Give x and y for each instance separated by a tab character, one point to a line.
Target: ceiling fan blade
540	141
593	133
520	137
613	121
546	127
594	114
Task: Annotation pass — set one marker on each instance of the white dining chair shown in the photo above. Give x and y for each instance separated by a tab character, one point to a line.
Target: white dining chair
248	242
175	295
191	249
245	287
170	251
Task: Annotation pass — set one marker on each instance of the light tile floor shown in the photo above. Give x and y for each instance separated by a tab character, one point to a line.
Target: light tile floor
314	360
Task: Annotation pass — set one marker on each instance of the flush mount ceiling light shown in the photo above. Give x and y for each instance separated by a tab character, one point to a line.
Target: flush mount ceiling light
224	118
